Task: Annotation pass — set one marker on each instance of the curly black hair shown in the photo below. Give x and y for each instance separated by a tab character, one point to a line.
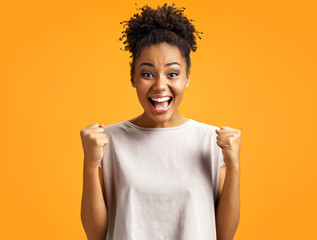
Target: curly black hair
164	24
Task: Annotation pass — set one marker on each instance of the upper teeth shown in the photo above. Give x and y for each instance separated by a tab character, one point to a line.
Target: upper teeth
163	99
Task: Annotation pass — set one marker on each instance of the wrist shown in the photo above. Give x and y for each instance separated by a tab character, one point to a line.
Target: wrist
232	166
89	166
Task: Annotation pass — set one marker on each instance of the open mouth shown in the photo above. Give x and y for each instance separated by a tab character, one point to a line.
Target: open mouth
161	106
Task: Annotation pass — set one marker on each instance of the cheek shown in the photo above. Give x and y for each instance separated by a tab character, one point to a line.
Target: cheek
178	88
179	85
179	93
142	94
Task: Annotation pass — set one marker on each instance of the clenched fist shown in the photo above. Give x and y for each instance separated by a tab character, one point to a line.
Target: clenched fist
229	140
93	140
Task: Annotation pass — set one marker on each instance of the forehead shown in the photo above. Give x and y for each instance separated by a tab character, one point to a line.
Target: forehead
160	54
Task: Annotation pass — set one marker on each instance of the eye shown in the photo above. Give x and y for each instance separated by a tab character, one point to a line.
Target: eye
176	74
144	74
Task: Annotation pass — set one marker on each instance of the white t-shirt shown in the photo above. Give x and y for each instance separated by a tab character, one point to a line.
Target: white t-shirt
161	183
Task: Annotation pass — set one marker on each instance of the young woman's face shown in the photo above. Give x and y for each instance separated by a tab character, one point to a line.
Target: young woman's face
160	71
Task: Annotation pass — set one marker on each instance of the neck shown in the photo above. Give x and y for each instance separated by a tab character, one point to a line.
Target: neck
144	120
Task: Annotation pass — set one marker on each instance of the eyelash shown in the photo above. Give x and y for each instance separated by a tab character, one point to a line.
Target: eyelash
150	73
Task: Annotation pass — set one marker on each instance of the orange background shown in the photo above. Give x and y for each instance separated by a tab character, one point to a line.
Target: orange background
62	69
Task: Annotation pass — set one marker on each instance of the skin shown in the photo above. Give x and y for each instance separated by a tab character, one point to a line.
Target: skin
94	215
228	200
160	79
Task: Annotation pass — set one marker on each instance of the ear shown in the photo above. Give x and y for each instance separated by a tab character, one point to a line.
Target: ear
187	83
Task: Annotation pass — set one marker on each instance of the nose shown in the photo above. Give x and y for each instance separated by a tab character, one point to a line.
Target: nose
160	84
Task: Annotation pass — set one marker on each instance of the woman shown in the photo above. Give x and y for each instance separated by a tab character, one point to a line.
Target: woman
160	175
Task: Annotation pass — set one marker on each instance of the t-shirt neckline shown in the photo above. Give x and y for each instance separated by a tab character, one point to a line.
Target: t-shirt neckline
158	129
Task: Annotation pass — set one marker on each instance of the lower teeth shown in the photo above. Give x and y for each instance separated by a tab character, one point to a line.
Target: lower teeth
162	108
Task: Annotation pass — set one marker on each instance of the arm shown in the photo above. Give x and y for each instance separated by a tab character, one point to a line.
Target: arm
94	215
228	203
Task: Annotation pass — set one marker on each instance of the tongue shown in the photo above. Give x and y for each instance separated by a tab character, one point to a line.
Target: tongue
161	104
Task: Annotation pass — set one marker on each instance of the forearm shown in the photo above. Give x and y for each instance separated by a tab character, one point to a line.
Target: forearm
93	208
228	208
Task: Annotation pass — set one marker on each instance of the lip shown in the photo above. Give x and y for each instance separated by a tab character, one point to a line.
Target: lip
161	110
160	96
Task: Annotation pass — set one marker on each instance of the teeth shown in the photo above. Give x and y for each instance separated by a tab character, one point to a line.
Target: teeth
161	99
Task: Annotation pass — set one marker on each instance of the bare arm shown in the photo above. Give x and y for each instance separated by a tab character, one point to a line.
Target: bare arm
94	215
228	206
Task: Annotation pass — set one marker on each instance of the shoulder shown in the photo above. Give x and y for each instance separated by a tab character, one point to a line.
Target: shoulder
114	127
205	127
120	129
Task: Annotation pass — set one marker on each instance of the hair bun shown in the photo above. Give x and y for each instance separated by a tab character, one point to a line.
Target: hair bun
167	18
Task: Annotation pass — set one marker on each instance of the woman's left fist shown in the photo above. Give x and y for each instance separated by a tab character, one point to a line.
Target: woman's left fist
229	140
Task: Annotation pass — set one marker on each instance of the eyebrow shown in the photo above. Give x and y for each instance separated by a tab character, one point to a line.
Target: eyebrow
151	65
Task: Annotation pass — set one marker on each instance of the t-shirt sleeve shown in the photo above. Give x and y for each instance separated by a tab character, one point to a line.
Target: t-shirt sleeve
217	163
222	163
219	153
101	162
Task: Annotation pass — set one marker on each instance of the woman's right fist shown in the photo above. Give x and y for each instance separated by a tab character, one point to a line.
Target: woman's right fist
93	139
